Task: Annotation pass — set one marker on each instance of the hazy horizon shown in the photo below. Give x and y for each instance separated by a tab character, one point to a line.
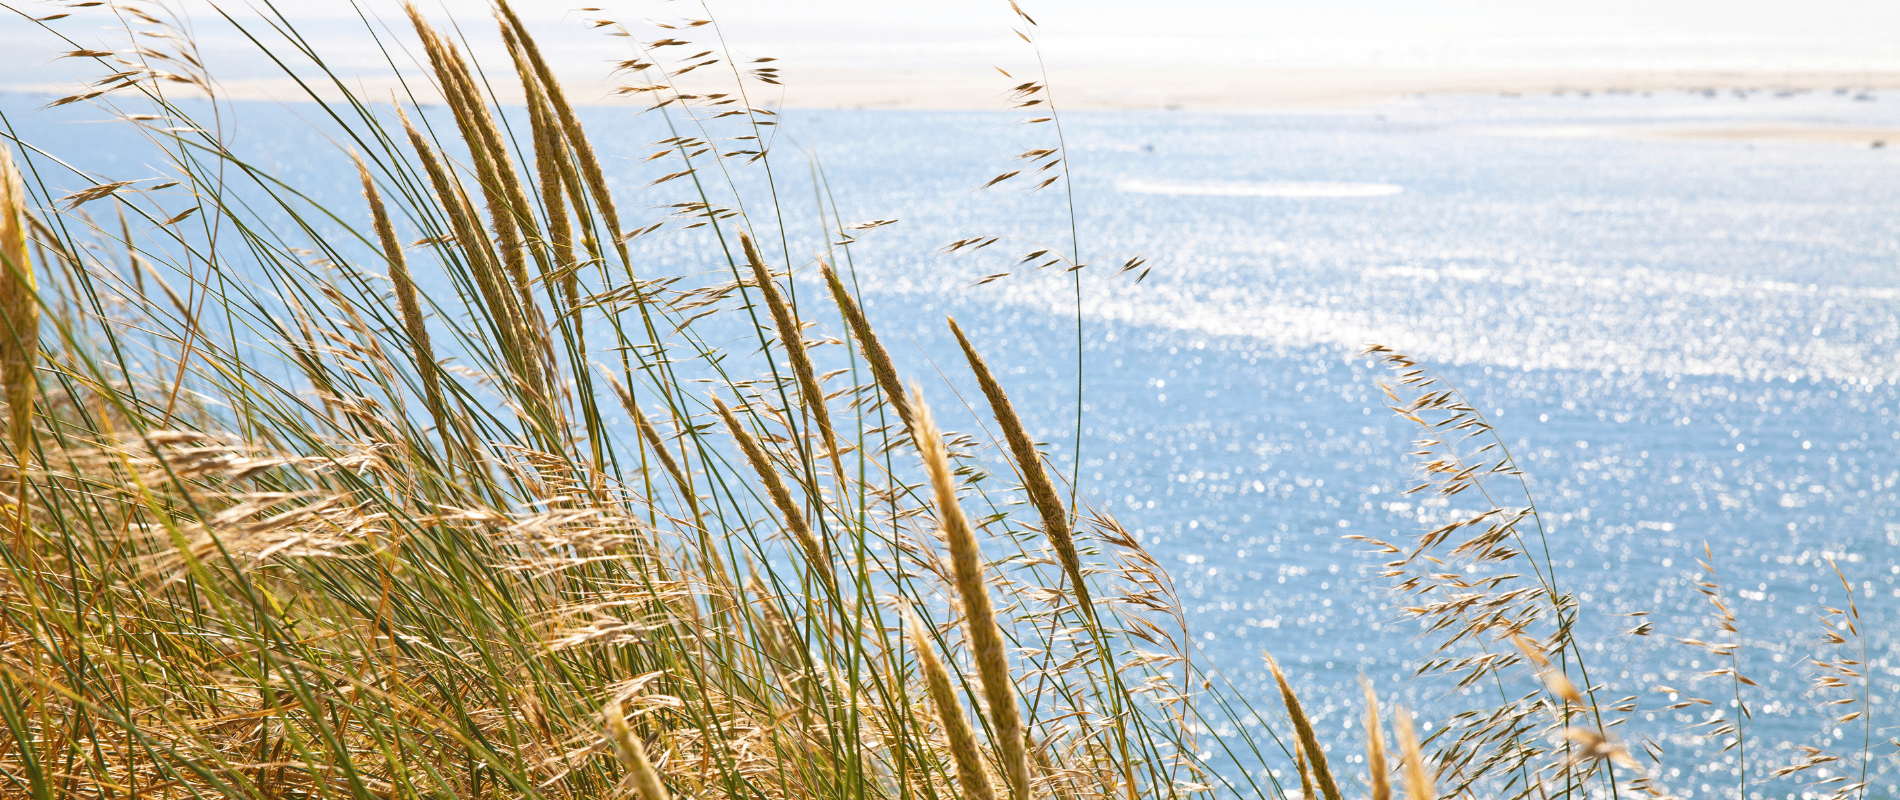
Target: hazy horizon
964	39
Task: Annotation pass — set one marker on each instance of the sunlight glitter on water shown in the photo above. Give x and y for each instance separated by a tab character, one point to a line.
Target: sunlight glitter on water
1685	343
1273	189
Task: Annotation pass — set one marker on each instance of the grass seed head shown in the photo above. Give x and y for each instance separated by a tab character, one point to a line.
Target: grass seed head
19	329
979	615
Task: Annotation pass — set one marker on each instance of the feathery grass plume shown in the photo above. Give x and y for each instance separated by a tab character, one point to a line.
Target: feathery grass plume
476	247
550	153
1049	505
652	436
1846	672
1306	773
408	305
560	269
793	341
576	137
1594	745
874	353
1418	780
1308	740
1725	723
1381	784
647	784
1443	577
494	170
1554	679
979	616
972	777
1042	491
775	488
708	550
19	331
508	208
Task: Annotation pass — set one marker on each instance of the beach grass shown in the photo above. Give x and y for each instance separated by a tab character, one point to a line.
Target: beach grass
326	512
447	495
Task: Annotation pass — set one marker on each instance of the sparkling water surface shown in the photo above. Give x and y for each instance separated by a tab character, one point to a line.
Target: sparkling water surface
1687	344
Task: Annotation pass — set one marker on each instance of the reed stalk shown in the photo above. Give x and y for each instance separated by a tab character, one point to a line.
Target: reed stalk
647	783
1041	490
768	473
19	337
1303	729
972	777
793	341
980	623
1418	779
879	360
590	171
1379	780
409	305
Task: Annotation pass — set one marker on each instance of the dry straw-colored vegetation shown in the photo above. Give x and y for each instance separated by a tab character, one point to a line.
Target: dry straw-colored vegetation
446	496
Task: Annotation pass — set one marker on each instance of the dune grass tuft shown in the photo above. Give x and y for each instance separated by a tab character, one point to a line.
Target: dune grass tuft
440	495
449	495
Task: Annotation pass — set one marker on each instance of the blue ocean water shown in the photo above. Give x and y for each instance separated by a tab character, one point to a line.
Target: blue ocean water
1688	343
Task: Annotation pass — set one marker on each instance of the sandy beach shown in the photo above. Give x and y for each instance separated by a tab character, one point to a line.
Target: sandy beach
1314	66
1237	91
1275	89
1198	89
1221	55
1768	132
1201	89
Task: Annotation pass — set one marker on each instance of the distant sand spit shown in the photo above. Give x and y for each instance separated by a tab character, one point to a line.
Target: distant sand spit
1238	89
1730	132
1877	137
1265	89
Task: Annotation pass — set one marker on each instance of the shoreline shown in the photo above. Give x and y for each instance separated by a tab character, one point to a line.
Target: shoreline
1186	89
1281	89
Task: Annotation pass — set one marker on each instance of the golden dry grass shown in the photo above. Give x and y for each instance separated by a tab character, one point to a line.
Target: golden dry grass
343	517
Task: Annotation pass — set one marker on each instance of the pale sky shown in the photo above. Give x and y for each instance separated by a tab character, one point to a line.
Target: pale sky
886	37
1691	34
